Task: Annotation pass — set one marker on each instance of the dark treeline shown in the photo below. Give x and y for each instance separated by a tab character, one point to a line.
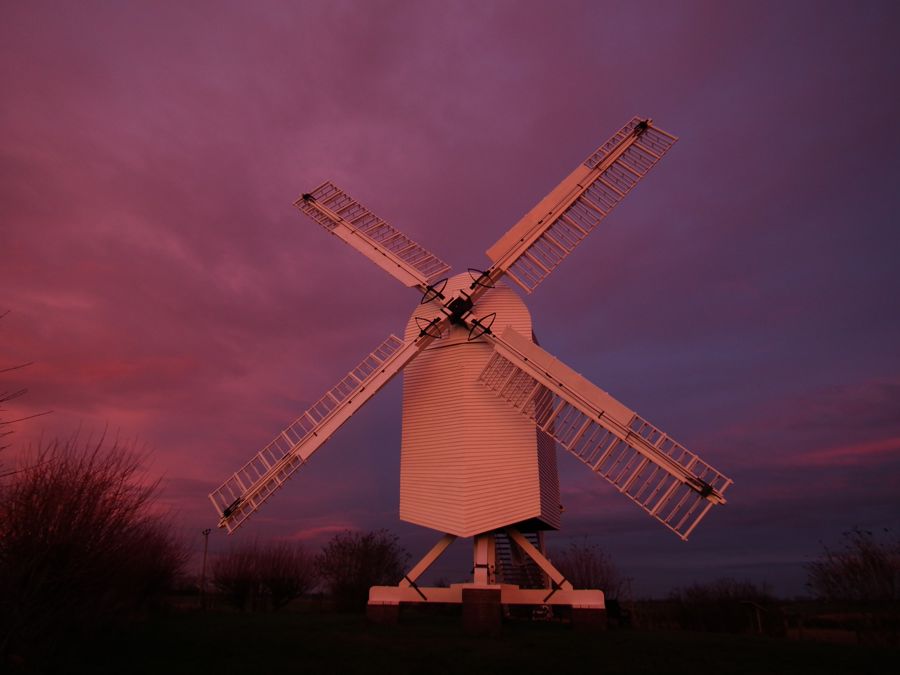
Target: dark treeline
85	550
268	577
82	548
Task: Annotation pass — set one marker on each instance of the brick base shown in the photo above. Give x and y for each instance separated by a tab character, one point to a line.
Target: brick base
589	620
481	611
383	613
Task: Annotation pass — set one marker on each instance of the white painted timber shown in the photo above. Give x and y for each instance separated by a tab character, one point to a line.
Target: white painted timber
547	234
469	465
251	485
382	243
509	595
668	481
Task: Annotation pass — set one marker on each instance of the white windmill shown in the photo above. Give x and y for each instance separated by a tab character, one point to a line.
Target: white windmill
484	406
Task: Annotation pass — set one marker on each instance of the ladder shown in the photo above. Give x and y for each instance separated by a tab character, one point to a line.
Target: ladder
514	567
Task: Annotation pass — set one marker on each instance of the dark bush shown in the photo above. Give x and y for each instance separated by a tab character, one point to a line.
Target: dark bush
588	566
235	575
254	576
864	570
861	583
81	546
724	606
287	572
351	562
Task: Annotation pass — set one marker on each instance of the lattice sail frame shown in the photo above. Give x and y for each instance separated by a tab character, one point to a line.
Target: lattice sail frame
372	236
251	485
665	479
548	233
660	475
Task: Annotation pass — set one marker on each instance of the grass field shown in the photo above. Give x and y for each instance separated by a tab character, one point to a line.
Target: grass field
221	643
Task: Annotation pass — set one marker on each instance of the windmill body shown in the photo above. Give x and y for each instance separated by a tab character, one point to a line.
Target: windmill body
485	407
467	465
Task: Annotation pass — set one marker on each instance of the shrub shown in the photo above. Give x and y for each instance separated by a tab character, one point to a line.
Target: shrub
862	581
864	570
251	576
81	546
235	575
351	562
286	572
723	605
587	566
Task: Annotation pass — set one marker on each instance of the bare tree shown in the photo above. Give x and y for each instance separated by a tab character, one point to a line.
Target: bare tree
286	572
81	545
235	573
723	605
5	397
6	425
588	566
865	570
351	562
252	575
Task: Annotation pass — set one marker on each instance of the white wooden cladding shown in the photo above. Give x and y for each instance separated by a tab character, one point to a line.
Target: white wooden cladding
251	485
547	234
468	464
389	248
669	482
551	511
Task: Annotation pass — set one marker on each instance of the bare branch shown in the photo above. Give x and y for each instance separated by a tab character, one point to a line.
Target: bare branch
22	419
79	546
21	365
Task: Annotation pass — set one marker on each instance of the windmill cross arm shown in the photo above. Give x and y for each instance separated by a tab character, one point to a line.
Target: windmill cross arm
668	481
249	487
547	234
383	244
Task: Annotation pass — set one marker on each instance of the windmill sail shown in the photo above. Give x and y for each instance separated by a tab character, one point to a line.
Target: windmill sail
548	233
386	246
669	482
251	485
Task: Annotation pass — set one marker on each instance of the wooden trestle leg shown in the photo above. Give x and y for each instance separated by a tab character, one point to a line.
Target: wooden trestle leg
482	599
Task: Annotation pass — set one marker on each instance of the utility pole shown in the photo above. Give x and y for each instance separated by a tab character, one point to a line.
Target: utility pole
203	570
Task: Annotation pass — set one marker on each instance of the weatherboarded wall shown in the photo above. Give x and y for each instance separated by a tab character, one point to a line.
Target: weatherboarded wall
470	463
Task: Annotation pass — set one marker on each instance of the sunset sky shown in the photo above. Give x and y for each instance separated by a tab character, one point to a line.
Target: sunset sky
745	297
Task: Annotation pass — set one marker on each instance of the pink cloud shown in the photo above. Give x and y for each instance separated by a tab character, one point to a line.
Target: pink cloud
866	452
165	287
321	533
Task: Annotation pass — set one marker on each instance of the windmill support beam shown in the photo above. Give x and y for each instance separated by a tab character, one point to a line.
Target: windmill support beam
484	563
509	595
427	561
384	601
559	581
447	483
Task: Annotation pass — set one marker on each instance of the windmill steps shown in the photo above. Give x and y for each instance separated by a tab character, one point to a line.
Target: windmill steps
515	568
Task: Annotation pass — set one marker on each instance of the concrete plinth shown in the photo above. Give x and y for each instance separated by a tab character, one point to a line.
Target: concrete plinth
383	613
482	613
588	620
